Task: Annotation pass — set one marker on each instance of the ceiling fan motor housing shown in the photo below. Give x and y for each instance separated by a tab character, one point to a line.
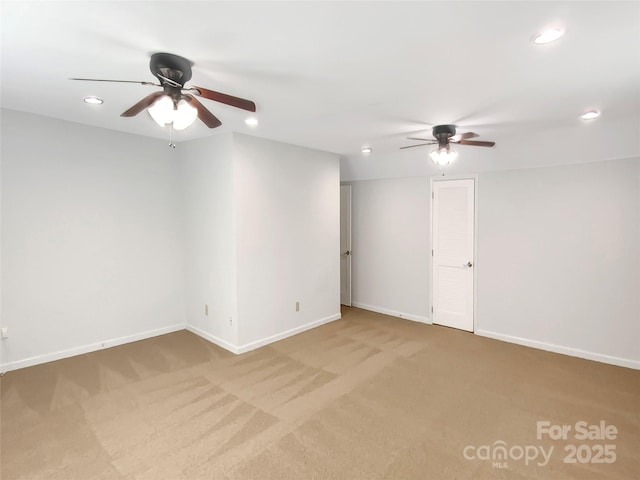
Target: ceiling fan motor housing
170	66
443	133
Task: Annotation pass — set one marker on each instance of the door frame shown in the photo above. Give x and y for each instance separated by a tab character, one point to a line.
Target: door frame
443	178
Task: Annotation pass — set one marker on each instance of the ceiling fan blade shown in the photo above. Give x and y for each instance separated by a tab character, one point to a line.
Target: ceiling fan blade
209	119
462	136
421	139
419	145
116	81
142	104
224	98
476	143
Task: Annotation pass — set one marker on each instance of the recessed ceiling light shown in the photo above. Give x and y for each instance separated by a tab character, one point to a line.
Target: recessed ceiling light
548	36
251	121
367	149
590	115
93	100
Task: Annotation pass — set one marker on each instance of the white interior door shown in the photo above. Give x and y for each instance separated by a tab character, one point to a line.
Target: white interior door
345	245
453	248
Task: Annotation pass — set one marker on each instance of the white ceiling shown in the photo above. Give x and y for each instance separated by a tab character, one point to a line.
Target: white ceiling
334	75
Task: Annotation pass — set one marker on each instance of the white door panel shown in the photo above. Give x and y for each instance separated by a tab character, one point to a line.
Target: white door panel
453	248
345	245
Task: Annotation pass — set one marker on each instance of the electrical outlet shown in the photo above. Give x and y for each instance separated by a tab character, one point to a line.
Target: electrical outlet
206	309
4	332
297	306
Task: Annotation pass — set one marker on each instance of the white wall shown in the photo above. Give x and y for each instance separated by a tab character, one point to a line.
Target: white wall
208	213
109	238
2	369
558	255
391	252
288	238
91	248
559	258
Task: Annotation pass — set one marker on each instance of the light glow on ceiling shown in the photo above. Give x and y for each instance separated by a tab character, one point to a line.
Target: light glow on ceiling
251	121
590	114
548	36
93	100
367	149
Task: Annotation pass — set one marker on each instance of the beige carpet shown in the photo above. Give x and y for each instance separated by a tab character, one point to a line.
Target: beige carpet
366	397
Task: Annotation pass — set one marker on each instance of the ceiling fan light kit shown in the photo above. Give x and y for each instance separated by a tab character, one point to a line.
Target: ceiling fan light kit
164	111
443	156
176	105
444	136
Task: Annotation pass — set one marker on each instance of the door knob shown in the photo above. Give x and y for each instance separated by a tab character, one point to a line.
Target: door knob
468	264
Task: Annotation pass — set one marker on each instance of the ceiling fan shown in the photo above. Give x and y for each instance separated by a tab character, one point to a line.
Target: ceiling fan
444	136
176	104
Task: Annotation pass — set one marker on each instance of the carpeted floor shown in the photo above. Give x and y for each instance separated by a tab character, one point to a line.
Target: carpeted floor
365	397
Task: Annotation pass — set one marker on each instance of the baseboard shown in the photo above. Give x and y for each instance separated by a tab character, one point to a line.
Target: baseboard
213	339
71	352
247	347
393	313
574	352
